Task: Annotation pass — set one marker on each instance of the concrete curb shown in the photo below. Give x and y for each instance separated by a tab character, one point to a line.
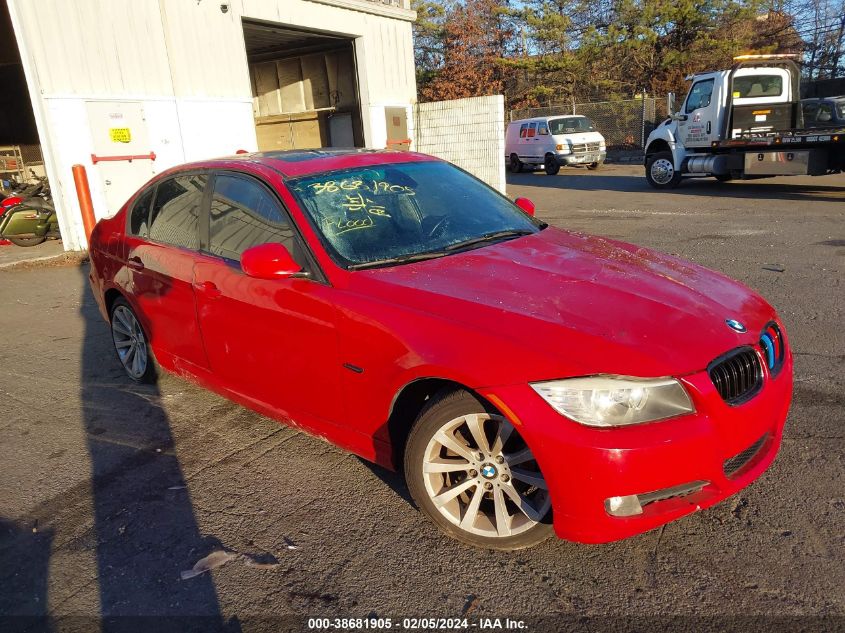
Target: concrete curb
71	258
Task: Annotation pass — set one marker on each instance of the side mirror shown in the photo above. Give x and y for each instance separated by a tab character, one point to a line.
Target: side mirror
670	103
269	261
526	205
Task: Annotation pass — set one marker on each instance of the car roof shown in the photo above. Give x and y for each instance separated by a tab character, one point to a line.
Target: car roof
302	162
547	117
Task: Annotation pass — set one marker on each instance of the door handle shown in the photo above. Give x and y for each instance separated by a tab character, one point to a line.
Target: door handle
708	127
208	288
135	262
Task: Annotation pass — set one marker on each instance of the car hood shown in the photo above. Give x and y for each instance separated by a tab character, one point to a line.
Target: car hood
594	304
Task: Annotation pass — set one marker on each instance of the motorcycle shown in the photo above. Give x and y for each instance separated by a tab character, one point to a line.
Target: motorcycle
32	220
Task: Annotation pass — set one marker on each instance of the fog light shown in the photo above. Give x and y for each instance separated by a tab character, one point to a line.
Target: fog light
623	506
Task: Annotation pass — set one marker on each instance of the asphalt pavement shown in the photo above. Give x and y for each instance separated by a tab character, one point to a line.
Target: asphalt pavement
110	490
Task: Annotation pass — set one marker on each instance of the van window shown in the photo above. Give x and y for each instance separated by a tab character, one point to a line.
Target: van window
570	124
542	129
532	130
841	109
523	130
752	86
699	95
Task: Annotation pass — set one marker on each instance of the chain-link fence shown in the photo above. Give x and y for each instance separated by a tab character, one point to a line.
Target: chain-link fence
625	125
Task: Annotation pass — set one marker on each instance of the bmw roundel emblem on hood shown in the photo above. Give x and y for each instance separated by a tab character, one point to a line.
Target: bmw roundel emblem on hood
735	325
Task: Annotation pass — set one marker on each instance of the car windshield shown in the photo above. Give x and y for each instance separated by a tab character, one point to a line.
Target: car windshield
388	214
570	124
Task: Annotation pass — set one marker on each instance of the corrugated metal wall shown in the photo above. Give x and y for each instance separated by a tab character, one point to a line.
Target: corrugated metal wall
467	132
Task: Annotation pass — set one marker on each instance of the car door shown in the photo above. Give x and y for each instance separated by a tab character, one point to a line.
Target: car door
162	239
271	341
700	110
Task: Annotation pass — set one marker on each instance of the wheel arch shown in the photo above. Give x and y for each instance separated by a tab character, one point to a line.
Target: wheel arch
657	145
407	404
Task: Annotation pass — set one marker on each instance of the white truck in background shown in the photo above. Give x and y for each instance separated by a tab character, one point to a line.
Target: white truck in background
554	141
744	122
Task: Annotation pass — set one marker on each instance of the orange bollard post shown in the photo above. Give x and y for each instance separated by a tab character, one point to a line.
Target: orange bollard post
83	192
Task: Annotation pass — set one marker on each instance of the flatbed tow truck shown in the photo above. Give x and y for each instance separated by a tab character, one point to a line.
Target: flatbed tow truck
745	122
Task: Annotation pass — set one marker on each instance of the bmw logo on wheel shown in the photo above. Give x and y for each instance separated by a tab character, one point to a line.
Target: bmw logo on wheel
489	471
735	325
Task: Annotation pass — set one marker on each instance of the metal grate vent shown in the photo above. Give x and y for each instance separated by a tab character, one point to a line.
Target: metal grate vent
737	377
735	463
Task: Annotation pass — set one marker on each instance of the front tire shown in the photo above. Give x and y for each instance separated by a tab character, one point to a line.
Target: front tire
27	241
471	472
131	343
551	165
660	171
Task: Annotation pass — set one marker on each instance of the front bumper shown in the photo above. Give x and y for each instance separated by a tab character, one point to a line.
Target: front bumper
585	466
586	158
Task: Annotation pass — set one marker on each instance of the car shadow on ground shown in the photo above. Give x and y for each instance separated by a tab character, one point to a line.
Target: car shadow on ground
394	480
146	530
763	189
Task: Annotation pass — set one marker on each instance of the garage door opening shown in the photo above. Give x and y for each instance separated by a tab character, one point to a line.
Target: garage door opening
20	151
304	88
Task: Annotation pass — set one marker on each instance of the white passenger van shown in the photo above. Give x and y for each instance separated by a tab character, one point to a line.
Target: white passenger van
552	141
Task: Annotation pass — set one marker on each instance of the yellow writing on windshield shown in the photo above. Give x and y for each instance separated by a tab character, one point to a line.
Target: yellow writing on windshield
374	187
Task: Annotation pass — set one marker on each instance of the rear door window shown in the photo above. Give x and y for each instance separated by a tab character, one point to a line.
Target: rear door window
174	218
244	214
523	130
532	130
139	217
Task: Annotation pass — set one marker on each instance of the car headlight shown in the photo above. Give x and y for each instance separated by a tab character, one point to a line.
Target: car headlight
565	147
615	400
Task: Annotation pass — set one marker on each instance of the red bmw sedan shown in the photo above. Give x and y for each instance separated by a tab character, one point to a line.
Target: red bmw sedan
526	379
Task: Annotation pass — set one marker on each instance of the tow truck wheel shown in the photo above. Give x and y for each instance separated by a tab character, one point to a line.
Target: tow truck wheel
723	177
551	165
660	171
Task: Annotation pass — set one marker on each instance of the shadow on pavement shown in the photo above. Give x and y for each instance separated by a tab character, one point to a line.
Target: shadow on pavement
24	567
763	189
146	531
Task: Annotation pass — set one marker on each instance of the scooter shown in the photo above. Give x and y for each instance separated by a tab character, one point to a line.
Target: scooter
30	222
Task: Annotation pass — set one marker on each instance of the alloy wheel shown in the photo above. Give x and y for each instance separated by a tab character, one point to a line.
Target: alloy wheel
483	478
129	341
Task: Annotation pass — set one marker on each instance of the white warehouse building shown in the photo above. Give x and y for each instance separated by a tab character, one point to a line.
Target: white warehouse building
129	88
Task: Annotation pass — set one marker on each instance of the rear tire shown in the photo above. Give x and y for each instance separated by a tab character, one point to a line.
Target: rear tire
515	164
551	165
27	241
660	171
469	470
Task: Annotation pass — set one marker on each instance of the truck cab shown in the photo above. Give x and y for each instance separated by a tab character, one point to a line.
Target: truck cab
728	113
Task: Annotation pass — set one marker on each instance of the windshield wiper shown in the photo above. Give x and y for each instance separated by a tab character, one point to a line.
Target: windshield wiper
489	237
399	259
